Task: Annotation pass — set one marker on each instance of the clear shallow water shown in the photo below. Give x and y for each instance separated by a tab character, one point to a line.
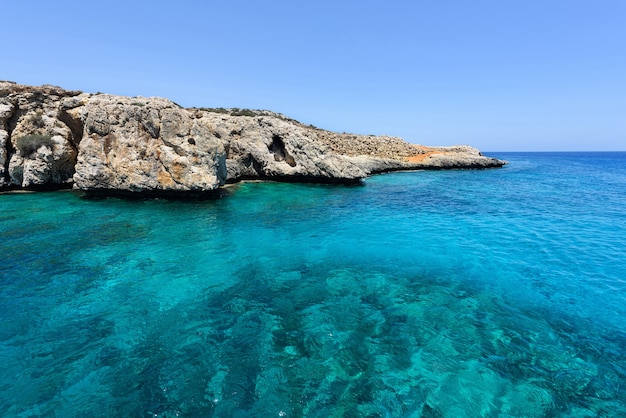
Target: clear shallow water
437	294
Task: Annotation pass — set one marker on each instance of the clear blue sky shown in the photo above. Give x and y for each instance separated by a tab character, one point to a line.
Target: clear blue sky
502	75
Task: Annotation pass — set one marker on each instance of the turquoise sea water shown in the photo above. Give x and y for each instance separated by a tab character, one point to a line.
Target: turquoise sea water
497	293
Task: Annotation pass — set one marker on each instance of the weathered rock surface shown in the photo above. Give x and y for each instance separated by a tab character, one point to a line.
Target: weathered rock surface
267	147
52	138
37	147
6	111
145	145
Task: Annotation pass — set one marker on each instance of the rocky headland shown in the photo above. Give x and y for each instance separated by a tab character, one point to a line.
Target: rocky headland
51	138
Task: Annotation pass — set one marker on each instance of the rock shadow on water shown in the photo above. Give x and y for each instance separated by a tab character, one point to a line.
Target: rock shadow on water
173	195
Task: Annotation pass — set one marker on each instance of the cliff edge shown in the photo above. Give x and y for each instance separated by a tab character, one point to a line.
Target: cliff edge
53	138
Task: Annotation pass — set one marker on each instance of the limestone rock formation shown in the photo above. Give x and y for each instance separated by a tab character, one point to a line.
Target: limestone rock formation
146	145
37	147
6	111
460	156
52	138
267	147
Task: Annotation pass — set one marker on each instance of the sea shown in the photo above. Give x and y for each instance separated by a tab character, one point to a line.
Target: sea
461	293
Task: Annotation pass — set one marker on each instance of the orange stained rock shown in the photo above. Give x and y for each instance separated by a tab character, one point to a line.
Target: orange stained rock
426	152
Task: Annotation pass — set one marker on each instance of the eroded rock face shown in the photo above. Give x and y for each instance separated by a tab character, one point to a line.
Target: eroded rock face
6	111
51	138
38	149
146	145
267	147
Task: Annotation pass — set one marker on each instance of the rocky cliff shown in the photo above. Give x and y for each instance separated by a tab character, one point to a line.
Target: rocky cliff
54	138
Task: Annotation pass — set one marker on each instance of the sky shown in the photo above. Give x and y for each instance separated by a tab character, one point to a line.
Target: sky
501	75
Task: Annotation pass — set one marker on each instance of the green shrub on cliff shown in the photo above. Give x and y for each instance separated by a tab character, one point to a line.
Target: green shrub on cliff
36	120
243	112
28	144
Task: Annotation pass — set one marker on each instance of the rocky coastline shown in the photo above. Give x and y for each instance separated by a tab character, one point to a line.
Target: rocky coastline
51	138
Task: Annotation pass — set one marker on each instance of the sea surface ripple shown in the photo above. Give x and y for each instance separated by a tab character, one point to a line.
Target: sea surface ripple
436	294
